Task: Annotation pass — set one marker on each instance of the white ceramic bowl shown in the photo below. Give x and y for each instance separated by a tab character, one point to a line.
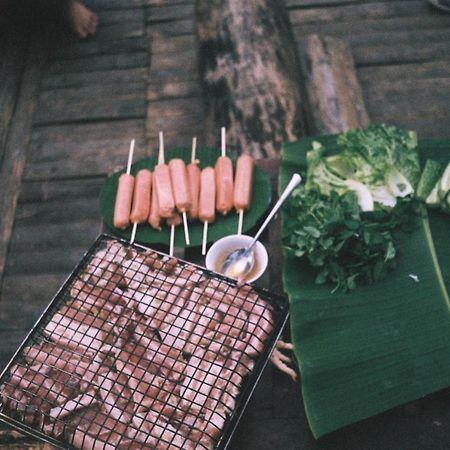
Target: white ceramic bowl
223	247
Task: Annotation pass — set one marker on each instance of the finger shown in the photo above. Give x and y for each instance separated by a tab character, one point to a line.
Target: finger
285	345
283	367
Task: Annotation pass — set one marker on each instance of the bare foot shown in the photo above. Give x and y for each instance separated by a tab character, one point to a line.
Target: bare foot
81	19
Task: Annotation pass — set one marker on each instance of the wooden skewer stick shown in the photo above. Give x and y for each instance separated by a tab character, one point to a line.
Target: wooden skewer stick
205	235
172	239
183	214
133	232
130	156
241	221
161	148
194	150
186	229
223	140
161	160
130	160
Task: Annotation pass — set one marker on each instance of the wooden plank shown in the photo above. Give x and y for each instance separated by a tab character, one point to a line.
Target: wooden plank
173	28
110	78
11	67
406	107
61	260
389	91
121	16
176	44
16	146
359	11
9	342
100	5
102	62
164	2
56	108
349	29
51	190
403	53
173	90
294	4
177	138
166	13
43	235
103	47
174	114
58	211
429	69
28	293
90	149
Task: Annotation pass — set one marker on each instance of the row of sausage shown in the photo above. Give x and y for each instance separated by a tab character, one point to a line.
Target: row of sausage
176	188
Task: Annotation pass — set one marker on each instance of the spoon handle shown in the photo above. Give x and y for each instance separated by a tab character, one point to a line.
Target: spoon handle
295	181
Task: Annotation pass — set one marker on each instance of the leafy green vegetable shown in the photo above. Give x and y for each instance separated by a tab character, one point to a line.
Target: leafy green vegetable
344	217
379	164
439	195
430	176
390	151
343	244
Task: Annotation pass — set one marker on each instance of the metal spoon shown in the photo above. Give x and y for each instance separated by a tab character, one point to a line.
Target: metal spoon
241	261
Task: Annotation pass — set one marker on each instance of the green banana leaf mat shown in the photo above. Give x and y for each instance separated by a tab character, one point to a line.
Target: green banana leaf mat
382	345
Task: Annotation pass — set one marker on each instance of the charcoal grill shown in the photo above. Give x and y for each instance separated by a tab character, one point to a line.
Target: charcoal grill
45	401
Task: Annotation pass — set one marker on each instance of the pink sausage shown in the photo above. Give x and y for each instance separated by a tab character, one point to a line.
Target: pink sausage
124	196
164	191
194	184
180	184
224	185
154	219
243	182
141	196
206	209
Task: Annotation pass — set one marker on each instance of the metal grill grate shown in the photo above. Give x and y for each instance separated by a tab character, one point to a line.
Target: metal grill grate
138	350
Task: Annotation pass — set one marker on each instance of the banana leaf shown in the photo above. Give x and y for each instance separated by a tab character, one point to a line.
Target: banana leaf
382	345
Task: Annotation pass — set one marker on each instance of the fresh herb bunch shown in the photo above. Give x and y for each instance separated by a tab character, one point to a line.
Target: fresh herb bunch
346	246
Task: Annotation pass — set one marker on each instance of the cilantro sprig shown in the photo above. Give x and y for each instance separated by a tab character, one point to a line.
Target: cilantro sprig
346	246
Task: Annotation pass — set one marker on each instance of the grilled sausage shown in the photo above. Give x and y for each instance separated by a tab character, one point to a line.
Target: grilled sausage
141	196
154	219
180	185
163	187
243	182
193	172
206	209
224	185
124	196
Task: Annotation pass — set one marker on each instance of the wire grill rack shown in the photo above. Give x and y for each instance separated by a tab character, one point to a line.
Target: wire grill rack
141	350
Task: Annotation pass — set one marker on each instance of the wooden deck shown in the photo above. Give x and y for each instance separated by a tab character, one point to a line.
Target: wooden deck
69	109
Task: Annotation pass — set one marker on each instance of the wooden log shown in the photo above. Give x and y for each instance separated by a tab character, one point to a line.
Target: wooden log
249	70
334	101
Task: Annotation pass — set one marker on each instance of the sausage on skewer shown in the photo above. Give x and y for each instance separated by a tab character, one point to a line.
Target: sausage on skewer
163	185
181	190
243	184
141	196
193	172
154	219
224	181
124	195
